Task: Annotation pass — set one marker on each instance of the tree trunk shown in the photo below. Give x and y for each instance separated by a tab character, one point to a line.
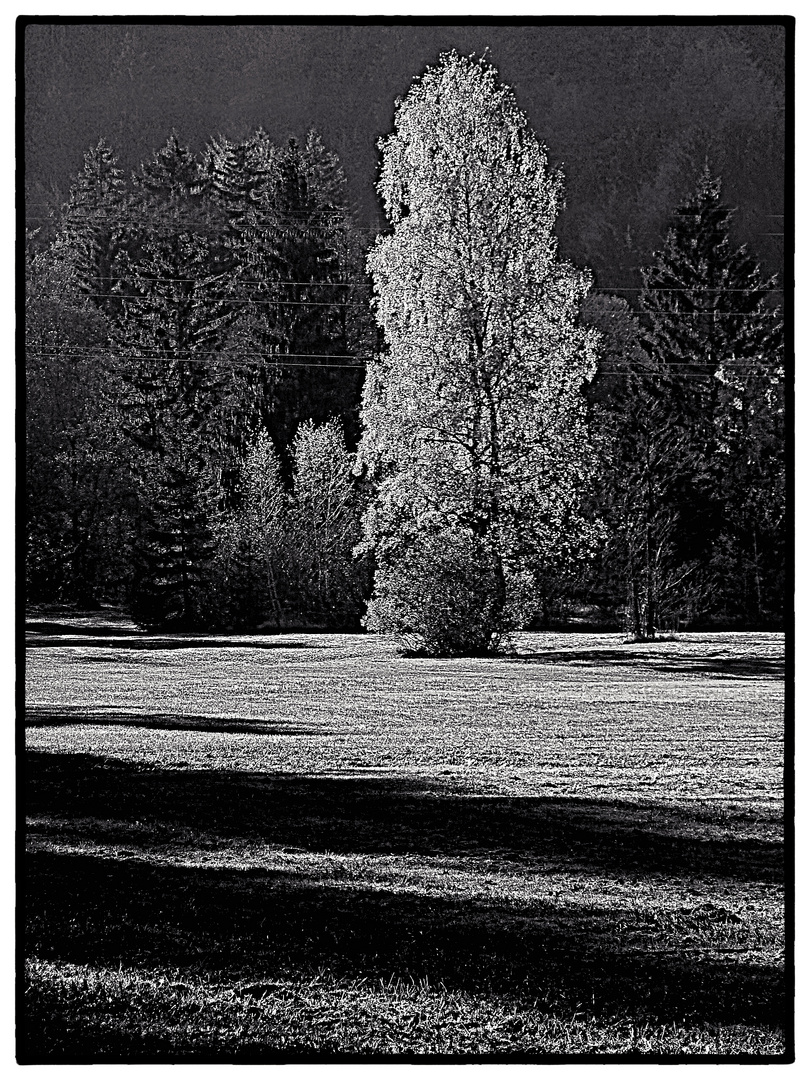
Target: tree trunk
636	608
649	620
757	578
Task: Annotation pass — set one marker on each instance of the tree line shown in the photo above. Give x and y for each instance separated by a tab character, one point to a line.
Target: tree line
187	331
242	411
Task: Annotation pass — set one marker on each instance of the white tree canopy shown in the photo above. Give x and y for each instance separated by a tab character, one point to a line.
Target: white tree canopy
473	417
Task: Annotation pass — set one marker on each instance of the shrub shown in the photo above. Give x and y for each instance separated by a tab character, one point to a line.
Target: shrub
445	594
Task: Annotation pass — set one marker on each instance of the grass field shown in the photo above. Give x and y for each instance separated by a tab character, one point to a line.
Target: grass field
307	846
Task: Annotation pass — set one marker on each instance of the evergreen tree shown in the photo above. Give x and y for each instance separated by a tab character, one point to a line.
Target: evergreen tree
93	222
290	243
714	334
78	483
241	183
474	425
317	323
173	584
174	309
180	395
645	460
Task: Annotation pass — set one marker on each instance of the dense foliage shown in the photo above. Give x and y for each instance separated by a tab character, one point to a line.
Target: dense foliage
175	327
690	406
474	418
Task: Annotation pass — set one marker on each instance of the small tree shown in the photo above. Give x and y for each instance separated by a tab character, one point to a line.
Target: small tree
289	555
253	544
324	527
173	577
474	426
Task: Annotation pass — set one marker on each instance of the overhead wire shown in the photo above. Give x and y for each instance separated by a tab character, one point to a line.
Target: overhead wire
241	280
358	362
227	300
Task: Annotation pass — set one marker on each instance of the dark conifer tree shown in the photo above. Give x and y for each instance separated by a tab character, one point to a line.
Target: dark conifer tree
240	184
93	222
174	311
77	467
174	550
646	460
714	334
289	242
78	481
175	306
316	261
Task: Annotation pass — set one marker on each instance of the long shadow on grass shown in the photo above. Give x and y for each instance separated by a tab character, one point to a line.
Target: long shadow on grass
396	815
738	667
259	924
103	640
37	716
102	629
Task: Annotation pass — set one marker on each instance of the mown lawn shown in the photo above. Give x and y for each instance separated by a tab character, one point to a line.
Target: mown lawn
306	847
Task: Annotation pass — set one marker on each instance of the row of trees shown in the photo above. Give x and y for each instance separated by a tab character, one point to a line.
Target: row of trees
196	345
177	325
690	413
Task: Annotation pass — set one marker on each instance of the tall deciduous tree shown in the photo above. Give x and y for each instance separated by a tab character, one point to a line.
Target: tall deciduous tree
474	416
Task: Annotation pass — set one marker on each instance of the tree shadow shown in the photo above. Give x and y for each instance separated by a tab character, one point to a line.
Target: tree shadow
388	814
737	667
101	629
89	639
260	924
730	666
42	716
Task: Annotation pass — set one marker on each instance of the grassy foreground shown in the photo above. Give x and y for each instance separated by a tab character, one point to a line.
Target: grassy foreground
303	847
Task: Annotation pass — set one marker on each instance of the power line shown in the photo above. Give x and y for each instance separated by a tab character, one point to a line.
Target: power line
243	358
281	360
242	281
178	210
681	288
163	353
209	227
369	285
227	300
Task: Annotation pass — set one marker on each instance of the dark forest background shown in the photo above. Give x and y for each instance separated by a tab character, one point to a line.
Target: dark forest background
199	201
629	112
